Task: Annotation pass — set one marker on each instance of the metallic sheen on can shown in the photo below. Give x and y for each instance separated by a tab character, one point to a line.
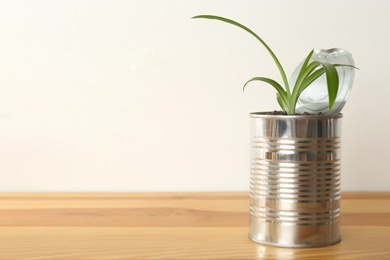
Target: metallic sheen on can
295	180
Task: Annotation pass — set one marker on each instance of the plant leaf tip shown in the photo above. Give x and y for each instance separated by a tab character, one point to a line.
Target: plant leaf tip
200	16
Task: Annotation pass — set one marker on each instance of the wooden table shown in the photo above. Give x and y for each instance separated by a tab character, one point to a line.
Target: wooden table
170	226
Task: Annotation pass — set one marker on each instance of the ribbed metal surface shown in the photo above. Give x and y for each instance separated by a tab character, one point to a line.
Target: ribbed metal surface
295	180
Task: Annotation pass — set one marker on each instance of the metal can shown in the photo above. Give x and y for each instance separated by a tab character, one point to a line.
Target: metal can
295	180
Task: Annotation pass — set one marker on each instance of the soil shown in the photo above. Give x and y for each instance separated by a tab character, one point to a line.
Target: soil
281	113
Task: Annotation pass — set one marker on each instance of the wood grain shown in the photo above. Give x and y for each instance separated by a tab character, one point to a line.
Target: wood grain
170	226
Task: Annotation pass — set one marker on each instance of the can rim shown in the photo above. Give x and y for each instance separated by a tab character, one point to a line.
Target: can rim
266	114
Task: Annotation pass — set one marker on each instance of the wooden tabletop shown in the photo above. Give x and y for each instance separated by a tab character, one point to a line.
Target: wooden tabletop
170	226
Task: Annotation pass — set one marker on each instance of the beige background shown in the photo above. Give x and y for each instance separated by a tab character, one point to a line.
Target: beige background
136	96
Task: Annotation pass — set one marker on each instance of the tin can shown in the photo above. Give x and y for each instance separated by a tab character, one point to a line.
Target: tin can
295	180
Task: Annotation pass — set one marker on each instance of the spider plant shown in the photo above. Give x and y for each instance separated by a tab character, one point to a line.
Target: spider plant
287	97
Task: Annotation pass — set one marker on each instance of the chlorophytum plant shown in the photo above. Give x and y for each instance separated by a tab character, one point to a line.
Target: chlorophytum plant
287	97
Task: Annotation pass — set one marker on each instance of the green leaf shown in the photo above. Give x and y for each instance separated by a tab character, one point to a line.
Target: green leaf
272	82
345	65
299	87
310	79
318	73
277	86
315	75
303	73
281	102
300	77
332	79
226	20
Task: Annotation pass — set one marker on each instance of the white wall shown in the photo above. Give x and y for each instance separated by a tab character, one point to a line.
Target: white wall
136	96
